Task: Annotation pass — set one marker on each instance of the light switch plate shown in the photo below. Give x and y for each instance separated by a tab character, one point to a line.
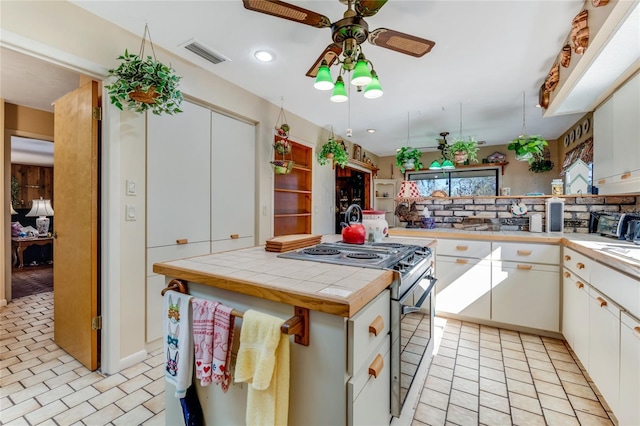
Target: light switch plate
130	212
131	187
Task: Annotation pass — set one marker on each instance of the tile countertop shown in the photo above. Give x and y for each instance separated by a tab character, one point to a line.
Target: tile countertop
334	289
591	245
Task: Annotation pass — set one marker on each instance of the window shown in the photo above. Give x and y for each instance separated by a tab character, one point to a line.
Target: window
458	183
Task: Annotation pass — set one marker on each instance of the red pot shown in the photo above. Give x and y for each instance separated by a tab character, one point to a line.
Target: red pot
353	232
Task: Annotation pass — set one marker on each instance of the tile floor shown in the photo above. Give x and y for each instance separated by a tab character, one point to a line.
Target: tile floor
490	376
479	375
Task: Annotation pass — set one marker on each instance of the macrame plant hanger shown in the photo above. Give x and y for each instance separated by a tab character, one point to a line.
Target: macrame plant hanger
281	144
149	96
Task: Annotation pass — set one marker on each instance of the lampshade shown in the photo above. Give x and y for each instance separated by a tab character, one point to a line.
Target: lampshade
41	208
13	211
323	78
361	73
435	165
408	191
373	89
448	165
339	92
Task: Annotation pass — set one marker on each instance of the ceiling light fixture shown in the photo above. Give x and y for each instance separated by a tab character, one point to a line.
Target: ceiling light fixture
446	163
364	76
263	56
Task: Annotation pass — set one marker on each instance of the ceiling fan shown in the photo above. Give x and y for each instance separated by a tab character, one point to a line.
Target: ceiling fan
347	33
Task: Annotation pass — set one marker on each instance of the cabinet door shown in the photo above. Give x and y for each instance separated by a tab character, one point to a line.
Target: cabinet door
603	142
575	315
626	110
232	178
604	347
525	294
629	412
178	177
463	287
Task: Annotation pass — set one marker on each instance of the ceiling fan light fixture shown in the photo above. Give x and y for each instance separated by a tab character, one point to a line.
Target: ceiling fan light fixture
373	89
361	73
435	165
339	92
323	79
447	165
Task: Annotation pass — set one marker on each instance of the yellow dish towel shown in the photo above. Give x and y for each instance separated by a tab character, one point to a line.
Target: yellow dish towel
263	361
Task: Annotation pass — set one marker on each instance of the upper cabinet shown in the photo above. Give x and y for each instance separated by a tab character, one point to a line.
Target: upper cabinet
616	141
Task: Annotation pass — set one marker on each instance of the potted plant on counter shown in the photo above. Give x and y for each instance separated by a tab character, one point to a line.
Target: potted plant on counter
464	151
528	148
408	158
332	150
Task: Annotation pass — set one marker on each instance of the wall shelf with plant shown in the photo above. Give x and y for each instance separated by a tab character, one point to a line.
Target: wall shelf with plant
464	151
408	158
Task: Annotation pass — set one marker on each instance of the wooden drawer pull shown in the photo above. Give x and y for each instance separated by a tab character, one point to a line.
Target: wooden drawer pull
462	261
524	252
182	241
376	326
376	366
579	284
636	332
567	257
602	302
601	181
234	236
462	248
580	265
625	176
567	274
524	267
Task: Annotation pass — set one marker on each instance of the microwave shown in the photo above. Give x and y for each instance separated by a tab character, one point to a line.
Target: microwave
615	224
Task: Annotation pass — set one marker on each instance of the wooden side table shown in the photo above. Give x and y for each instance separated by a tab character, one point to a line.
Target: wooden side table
19	244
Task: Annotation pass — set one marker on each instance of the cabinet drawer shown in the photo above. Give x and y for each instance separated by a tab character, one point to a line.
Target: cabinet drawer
174	252
369	396
622	289
463	248
155	284
523	252
362	337
232	244
577	263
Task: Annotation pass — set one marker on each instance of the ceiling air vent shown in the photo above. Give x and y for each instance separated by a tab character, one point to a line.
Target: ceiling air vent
204	52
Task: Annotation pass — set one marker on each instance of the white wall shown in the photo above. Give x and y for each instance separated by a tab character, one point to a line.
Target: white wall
71	36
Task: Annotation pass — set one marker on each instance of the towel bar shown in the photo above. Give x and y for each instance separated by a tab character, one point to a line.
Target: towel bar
297	325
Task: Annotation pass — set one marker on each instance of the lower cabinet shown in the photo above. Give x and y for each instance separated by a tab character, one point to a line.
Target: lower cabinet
629	407
604	347
463	287
575	315
525	294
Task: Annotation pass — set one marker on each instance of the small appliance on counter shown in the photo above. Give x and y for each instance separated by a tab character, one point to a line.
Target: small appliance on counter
616	224
633	233
554	215
535	222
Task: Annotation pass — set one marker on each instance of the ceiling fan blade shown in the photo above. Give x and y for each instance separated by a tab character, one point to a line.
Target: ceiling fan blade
330	54
368	8
288	11
400	42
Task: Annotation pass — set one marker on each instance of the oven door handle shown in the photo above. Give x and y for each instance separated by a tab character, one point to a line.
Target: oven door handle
416	307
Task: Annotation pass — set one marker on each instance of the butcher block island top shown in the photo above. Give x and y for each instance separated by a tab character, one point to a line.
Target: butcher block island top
333	289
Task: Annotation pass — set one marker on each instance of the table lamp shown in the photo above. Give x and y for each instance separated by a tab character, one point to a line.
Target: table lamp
409	193
41	208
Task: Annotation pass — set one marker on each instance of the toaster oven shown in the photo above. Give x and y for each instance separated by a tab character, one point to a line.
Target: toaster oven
616	224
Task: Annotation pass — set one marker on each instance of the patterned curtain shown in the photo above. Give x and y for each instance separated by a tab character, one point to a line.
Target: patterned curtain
583	152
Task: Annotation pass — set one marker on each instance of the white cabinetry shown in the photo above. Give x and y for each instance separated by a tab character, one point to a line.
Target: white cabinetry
463	269
384	191
616	156
575	303
525	287
232	183
629	411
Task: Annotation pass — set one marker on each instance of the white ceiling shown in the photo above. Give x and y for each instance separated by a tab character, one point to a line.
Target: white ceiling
487	55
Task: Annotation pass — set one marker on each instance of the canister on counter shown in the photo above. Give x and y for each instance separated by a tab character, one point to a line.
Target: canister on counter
557	187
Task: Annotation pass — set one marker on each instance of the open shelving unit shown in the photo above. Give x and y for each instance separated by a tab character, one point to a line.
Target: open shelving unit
292	194
385	203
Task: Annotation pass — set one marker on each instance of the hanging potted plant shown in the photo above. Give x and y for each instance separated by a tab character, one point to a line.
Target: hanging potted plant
408	159
464	151
540	166
282	146
143	83
528	148
333	151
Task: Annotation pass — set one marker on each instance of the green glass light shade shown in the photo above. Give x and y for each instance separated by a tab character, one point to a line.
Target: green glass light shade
361	73
323	78
447	165
339	92
373	89
435	165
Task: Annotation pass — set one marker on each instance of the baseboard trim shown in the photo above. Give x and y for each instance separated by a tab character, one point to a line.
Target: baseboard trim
3	302
133	359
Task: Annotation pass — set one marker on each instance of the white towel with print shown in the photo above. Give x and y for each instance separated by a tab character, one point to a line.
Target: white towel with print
178	343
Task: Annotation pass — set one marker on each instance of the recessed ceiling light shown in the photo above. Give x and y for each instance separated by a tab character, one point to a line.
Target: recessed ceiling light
371	130
263	56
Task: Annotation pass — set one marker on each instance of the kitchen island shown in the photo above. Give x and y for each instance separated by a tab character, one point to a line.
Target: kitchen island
330	380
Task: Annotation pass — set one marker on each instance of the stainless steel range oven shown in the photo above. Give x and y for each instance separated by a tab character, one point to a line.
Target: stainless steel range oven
412	300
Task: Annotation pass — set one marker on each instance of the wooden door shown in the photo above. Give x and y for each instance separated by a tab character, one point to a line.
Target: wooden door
75	261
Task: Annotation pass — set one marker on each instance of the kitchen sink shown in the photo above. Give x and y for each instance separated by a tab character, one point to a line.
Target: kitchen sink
630	252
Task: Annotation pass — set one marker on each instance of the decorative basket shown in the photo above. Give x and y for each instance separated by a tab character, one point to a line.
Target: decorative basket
282	167
148	97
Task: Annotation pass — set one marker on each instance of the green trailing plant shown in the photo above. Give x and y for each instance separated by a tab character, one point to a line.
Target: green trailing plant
15	190
469	147
540	166
157	82
332	150
408	154
528	148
